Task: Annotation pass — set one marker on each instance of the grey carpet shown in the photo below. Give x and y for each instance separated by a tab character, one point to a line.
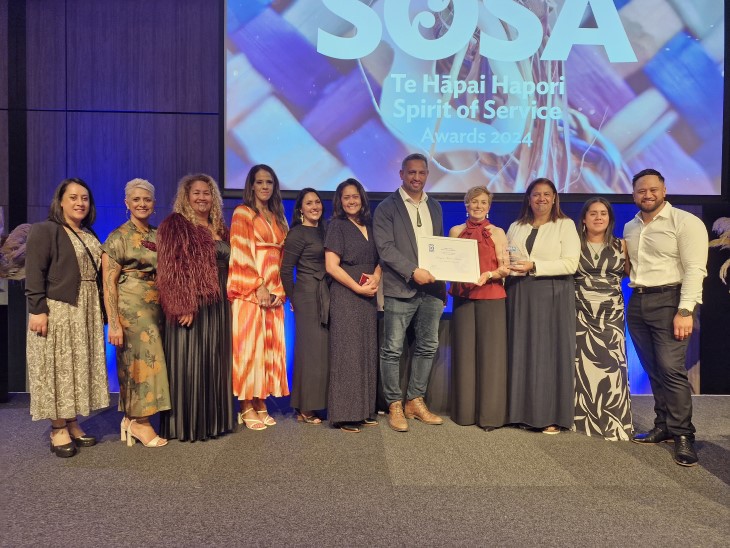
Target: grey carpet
304	485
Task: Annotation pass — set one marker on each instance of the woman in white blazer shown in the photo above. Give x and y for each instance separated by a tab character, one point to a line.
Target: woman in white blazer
544	252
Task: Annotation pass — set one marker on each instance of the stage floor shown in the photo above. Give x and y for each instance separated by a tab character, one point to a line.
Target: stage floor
296	484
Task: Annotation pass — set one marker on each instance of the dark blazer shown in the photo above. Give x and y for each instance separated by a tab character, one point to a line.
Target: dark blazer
395	240
51	267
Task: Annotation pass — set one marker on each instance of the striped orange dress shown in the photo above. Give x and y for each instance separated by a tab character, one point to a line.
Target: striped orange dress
259	352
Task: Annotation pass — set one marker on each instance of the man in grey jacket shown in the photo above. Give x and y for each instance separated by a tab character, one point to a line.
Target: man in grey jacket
412	294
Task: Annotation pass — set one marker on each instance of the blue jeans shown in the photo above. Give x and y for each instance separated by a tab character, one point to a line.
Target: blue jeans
425	312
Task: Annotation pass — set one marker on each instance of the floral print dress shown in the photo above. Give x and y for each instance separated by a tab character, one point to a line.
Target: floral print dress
67	368
143	385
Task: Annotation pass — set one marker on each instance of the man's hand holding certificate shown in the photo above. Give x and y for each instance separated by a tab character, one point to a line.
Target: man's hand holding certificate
449	259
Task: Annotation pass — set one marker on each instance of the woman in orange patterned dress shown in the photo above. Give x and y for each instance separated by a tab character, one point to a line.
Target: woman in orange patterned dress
257	296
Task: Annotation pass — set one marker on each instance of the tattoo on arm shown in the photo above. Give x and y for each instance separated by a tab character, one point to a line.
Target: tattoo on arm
112	270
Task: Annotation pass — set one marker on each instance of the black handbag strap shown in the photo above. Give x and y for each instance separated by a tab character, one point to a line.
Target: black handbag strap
99	281
91	257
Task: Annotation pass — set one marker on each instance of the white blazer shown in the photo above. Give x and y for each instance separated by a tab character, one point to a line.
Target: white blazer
556	251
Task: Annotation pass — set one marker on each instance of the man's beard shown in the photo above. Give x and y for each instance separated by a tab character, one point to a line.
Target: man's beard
651	209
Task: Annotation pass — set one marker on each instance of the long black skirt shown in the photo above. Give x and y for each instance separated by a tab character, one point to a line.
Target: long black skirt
199	366
311	363
541	350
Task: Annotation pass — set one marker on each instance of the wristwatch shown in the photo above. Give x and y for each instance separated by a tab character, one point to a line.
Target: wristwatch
532	271
684	312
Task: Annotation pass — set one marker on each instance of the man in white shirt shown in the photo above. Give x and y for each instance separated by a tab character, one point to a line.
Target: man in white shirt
411	294
668	253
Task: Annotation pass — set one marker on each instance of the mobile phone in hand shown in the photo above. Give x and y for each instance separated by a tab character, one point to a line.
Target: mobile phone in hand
363	279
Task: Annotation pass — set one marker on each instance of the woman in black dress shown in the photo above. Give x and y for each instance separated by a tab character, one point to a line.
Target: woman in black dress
192	268
352	261
309	298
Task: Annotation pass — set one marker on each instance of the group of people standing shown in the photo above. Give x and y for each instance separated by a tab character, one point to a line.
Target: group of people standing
197	313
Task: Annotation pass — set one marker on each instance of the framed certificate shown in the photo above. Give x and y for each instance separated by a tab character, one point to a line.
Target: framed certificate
449	259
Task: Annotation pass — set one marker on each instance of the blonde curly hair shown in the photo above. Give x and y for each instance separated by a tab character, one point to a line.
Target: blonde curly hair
182	205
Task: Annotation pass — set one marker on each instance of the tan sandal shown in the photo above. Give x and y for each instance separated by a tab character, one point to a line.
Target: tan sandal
157	441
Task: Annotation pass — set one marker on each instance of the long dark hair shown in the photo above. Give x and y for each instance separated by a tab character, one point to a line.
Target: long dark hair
526	216
55	213
275	204
608	238
363	217
296	218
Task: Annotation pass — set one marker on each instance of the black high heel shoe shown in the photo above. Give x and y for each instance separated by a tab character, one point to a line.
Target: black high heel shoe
63	451
82	441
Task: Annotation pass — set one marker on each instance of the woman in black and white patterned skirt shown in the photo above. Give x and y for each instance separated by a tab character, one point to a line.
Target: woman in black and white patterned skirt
602	404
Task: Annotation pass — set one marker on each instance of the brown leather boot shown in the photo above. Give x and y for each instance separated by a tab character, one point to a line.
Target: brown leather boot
416	409
396	420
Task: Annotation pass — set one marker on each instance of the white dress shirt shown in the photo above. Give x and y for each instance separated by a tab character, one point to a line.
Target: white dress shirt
670	249
556	250
416	209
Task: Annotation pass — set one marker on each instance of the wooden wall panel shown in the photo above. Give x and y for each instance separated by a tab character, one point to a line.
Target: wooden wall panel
46	157
4	160
4	54
109	149
159	56
46	54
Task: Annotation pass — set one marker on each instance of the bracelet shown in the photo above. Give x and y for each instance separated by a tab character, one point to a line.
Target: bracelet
489	279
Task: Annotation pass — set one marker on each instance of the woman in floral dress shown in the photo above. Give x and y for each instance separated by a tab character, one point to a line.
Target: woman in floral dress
135	316
65	343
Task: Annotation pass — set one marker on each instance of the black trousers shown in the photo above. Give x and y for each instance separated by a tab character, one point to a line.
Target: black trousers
479	362
649	320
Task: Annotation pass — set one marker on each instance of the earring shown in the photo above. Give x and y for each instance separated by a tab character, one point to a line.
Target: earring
301	217
487	216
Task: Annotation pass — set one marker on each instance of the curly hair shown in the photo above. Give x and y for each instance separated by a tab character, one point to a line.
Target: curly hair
182	205
275	203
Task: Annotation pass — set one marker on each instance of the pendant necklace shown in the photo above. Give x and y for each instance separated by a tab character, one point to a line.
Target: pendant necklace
595	253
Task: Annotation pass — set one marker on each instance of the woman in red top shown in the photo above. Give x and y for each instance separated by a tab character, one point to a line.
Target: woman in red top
479	327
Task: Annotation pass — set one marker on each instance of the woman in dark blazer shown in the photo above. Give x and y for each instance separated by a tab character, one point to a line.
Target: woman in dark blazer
65	343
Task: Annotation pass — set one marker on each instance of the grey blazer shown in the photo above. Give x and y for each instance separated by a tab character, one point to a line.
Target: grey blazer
397	248
51	267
